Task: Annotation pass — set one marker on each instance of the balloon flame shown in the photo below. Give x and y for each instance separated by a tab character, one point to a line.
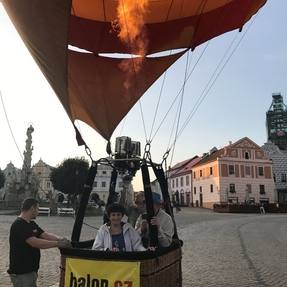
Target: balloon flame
131	26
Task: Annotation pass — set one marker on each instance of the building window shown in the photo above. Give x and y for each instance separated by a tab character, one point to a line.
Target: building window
187	180
231	169
200	189
194	190
48	184
176	182
173	183
246	155
103	184
248	188
210	171
232	187
248	170
181	181
104	172
260	171
194	175
95	184
211	188
200	173
261	189
274	177
283	177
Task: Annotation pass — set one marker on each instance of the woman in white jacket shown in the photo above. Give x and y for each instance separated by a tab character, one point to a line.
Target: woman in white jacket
117	235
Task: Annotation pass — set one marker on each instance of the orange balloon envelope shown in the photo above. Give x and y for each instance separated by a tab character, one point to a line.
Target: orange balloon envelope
67	39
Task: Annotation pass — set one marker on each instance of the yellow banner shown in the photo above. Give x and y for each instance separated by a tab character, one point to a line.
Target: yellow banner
95	273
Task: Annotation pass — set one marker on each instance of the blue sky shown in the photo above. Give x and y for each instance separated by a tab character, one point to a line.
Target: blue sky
234	108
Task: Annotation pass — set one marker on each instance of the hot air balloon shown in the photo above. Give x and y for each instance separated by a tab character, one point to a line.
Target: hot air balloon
79	46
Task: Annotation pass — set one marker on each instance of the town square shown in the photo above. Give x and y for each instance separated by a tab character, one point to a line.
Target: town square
219	249
143	143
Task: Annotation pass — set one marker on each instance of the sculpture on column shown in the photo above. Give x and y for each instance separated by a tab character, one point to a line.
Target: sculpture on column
29	182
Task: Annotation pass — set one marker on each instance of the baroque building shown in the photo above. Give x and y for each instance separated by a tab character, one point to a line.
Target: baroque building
237	173
45	189
12	175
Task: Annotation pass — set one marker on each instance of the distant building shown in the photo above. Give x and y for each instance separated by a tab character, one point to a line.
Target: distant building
276	122
13	178
237	173
12	175
102	182
42	172
279	158
180	181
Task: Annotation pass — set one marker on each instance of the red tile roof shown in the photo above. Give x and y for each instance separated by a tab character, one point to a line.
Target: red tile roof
183	167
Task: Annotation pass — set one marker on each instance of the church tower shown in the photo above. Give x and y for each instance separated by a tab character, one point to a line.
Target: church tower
276	122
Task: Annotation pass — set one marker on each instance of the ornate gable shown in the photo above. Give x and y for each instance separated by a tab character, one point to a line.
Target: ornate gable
245	143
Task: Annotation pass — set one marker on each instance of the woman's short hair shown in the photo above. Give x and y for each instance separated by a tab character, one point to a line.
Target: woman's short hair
115	207
28	203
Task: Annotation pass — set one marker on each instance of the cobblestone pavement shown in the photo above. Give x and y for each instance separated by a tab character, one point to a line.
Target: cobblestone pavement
219	249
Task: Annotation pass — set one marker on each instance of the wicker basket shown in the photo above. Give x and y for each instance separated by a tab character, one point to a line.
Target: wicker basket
160	268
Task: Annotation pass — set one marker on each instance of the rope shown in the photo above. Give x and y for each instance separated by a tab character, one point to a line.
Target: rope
173	102
158	101
91	226
169	9
143	121
172	130
180	106
12	134
208	87
8	122
200	10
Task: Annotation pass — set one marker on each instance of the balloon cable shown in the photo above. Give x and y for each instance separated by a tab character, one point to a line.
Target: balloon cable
215	76
10	128
180	105
14	139
178	94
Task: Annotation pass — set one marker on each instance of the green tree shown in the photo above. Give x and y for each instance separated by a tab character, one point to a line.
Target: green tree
70	176
2	178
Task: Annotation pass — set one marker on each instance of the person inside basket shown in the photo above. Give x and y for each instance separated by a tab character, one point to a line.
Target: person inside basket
162	220
117	235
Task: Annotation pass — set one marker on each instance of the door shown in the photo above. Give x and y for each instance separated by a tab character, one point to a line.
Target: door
200	200
188	198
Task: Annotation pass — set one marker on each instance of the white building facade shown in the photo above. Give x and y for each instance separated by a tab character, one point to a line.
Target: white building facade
180	181
102	182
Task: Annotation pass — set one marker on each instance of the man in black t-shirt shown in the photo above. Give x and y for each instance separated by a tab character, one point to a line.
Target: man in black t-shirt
26	239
